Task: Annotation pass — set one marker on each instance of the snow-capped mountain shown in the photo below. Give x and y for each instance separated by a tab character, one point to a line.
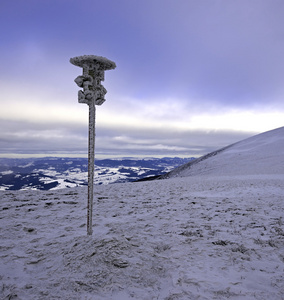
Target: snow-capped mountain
217	233
55	173
260	154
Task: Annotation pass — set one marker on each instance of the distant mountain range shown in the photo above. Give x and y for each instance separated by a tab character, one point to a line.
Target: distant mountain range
55	173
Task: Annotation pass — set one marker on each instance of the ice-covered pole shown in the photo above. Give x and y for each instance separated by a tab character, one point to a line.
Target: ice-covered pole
92	94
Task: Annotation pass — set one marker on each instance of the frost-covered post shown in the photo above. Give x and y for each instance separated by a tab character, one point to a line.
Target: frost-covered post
93	94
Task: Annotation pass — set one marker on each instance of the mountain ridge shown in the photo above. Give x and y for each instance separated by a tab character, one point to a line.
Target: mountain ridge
254	155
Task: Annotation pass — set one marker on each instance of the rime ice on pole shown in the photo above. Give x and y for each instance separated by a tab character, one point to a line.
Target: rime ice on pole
93	73
93	94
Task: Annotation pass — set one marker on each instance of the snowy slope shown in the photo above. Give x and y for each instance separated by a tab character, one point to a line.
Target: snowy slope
260	154
209	237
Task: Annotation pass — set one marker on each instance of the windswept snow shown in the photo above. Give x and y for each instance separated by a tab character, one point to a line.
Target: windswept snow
208	237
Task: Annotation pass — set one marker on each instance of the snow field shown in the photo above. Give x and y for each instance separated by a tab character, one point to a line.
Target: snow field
181	238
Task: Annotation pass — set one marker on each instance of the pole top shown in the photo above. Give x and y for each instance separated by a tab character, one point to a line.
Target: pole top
90	60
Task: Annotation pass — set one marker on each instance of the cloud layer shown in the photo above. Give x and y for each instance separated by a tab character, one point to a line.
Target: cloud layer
191	76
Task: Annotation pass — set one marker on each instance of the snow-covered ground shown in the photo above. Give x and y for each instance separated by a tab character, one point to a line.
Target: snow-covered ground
215	236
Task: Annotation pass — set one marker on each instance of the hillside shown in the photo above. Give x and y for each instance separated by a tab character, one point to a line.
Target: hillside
260	154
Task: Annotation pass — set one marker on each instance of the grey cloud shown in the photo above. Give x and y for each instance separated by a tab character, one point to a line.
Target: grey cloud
228	52
31	138
164	142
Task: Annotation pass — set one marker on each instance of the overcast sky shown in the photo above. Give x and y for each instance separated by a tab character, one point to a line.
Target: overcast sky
192	76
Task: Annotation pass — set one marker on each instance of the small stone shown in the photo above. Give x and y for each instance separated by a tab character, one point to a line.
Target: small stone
120	263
